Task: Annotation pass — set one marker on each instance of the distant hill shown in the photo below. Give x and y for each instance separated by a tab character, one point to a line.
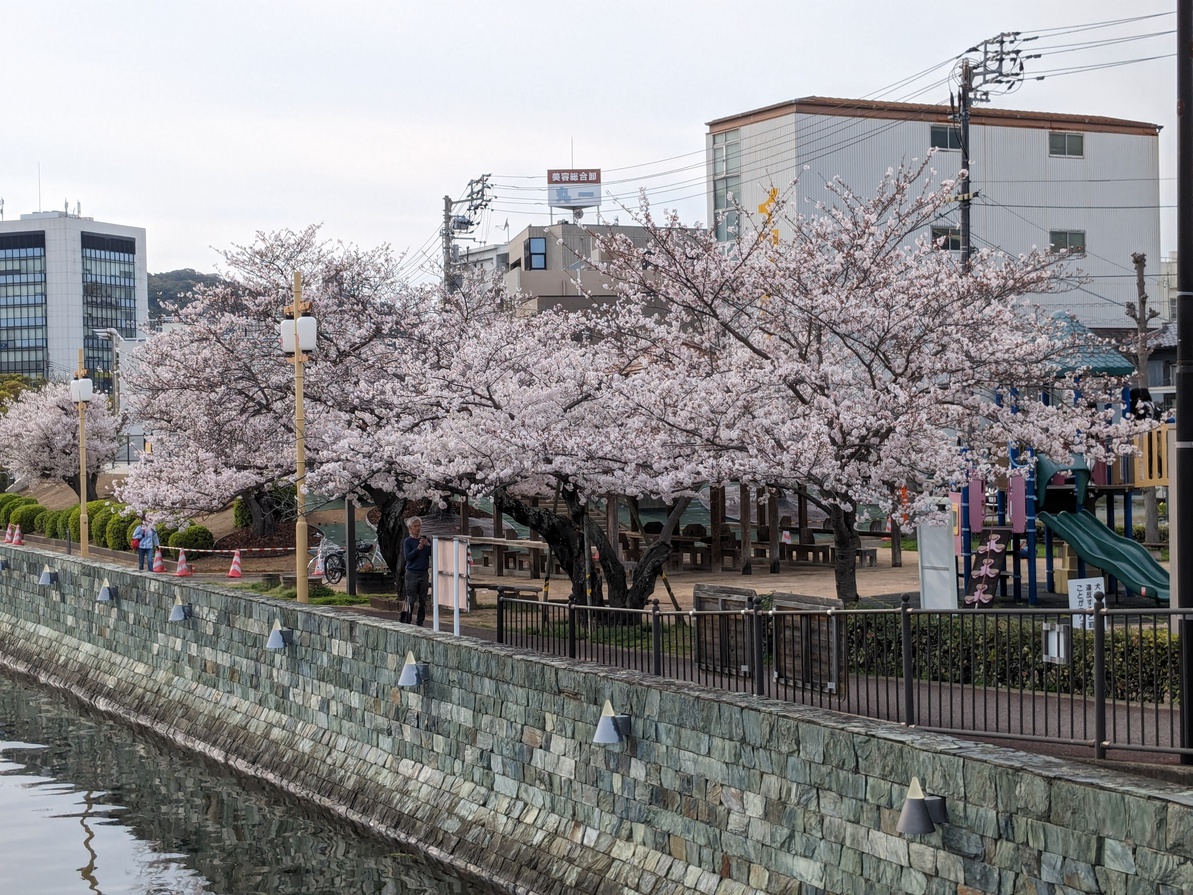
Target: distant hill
173	286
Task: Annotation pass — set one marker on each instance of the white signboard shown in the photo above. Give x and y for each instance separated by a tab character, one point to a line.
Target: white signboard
574	187
449	581
938	564
1081	597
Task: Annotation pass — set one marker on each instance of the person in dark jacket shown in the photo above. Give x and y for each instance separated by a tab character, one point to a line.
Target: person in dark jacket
417	551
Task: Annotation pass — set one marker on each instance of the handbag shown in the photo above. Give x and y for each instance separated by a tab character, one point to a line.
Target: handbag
135	543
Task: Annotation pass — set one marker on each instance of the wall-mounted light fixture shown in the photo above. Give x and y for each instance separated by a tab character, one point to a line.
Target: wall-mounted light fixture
48	577
414	674
4	566
108	593
921	813
614	727
181	611
279	637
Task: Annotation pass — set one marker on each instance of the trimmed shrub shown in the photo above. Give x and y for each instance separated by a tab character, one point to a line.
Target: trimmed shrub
8	497
1003	651
56	524
241	517
118	531
98	525
39	524
26	515
1139	532
11	507
72	524
193	537
164	533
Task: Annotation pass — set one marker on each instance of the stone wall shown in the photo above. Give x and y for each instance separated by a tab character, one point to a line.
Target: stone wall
490	764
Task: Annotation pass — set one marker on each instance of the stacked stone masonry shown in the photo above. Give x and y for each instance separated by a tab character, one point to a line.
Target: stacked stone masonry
490	764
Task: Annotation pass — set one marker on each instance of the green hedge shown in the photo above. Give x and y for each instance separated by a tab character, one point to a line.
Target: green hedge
241	516
26	515
117	531
56	524
1139	532
97	525
1004	652
193	537
9	507
39	524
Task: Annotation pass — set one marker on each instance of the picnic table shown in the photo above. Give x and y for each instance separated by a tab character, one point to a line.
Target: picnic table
504	547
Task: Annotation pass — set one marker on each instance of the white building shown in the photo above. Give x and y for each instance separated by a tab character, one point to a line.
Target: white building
1085	183
63	278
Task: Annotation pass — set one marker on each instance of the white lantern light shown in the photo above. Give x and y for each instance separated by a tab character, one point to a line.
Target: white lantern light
80	390
307	334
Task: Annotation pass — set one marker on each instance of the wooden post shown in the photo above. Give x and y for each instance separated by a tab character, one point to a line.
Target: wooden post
747	540
772	506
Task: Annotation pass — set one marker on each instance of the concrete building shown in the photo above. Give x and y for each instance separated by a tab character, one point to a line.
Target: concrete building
63	278
544	263
1085	183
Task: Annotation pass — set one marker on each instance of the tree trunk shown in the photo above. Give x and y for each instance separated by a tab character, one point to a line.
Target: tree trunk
1151	516
564	533
264	520
390	528
896	543
92	480
846	541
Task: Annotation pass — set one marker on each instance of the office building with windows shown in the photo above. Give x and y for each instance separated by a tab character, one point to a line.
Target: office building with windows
69	282
1083	183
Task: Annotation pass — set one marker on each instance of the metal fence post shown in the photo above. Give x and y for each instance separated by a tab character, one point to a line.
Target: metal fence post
500	618
909	713
759	664
571	608
1099	676
656	632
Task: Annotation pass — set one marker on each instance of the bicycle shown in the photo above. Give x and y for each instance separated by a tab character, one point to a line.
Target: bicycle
335	561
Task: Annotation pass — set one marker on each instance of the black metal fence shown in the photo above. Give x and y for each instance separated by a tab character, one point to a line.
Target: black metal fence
1099	679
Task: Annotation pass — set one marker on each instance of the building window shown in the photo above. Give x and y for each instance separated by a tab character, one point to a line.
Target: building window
536	253
1071	241
1070	145
946	136
726	173
23	304
947	238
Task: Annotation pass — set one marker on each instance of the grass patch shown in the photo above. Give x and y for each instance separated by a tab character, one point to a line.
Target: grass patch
319	594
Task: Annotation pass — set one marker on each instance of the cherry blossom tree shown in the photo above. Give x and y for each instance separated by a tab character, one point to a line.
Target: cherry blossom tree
39	437
853	357
218	394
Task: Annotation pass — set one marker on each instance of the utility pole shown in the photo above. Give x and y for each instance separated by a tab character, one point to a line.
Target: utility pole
478	199
999	68
1181	508
1143	315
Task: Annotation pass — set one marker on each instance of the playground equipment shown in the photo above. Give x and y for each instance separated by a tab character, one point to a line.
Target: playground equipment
1061	496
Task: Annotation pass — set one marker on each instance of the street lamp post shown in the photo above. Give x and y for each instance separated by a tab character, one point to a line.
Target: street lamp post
80	393
298	332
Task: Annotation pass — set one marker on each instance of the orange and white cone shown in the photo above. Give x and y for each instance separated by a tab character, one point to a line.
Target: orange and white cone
234	571
319	571
8	534
17	540
158	565
183	569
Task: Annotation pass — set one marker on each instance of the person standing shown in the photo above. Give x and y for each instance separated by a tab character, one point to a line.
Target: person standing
147	543
416	550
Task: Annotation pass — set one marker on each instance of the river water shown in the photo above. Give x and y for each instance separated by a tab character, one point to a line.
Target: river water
90	805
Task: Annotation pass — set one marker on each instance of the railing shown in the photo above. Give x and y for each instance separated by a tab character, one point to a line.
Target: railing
1098	679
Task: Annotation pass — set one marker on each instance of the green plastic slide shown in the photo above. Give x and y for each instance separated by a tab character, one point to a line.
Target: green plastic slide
1127	560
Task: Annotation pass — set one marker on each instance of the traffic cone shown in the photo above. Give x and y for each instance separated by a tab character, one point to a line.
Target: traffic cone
183	569
8	534
234	571
17	540
158	565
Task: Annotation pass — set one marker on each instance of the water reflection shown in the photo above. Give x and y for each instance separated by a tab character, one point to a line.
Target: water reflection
89	805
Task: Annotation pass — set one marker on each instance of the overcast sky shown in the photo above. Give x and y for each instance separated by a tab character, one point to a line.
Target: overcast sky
205	121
